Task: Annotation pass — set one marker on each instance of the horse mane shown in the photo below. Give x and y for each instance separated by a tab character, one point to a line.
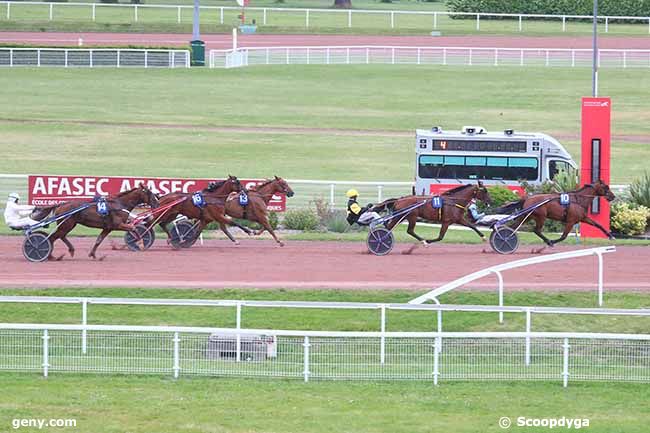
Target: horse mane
126	192
213	186
266	182
457	189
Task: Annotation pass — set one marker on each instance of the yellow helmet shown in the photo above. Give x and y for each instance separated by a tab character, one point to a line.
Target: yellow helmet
352	193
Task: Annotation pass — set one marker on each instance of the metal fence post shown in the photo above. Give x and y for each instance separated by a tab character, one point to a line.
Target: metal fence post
500	289
436	361
305	371
606	24
66	58
478	22
51	11
177	362
306	17
38	57
392	19
135	13
565	369
238	326
600	279
382	342
178	15
350	18
327	56
528	324
496	57
9	11
380	189
46	352
84	322
146	58
90	58
118	58
94	4
263	15
563	23
221	16
392	55
332	195
435	20
419	54
444	56
470	57
520	26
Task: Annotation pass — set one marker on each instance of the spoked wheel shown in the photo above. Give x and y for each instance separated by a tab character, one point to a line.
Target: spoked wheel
139	239
183	234
504	240
37	247
380	241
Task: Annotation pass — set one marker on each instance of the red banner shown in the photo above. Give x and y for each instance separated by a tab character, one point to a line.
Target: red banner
46	190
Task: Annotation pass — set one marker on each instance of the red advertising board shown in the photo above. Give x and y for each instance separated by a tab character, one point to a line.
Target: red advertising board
595	158
47	190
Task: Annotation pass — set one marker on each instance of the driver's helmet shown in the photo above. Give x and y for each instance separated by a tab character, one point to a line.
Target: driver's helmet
13	197
352	193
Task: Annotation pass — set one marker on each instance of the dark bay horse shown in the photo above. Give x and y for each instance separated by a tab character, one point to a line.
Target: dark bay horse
571	214
215	197
119	211
258	200
453	210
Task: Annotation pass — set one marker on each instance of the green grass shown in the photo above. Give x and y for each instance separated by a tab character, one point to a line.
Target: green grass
384	99
331	320
139	405
78	18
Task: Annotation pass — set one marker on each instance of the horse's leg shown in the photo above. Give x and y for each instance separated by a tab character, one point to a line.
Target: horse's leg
598	226
65	240
241	227
443	230
224	228
99	240
60	233
412	219
267	226
466	223
565	233
539	224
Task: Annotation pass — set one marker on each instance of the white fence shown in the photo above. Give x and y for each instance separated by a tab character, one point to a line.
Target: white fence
445	56
94	58
315	355
300	17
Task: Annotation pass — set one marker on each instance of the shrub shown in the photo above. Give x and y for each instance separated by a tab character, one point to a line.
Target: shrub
501	195
337	222
301	219
566	181
640	190
629	219
638	8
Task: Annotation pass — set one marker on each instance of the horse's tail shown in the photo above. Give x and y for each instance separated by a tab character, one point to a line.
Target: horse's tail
510	207
40	213
385	205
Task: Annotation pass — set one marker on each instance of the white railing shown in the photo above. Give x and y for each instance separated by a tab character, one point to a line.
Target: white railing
498	269
445	56
437	20
307	355
94	58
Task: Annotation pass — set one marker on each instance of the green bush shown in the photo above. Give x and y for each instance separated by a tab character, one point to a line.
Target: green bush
633	8
566	181
301	219
640	190
500	195
337	222
629	219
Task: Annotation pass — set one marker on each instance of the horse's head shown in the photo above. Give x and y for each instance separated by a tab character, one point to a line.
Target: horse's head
481	193
146	196
282	186
234	184
601	189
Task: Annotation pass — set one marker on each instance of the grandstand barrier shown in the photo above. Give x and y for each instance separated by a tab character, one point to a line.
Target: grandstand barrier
93	58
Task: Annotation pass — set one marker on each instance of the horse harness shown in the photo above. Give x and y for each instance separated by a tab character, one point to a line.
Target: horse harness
438	203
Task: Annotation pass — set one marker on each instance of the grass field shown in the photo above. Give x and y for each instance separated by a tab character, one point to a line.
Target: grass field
326	105
168	19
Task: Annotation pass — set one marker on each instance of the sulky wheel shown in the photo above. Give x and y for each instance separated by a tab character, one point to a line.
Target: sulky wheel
37	246
139	239
183	234
504	240
380	241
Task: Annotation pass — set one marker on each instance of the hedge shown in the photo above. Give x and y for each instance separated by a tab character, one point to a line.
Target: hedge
628	8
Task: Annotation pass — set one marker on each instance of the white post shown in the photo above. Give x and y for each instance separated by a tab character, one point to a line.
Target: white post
38	57
520	27
606	24
221	16
478	22
267	56
521	58
94	4
565	370
382	342
178	15
547	53
528	324
332	196
624	59
327	56
573	58
84	321
306	17
367	55
46	353
470	57
392	19
287	50
90	57
436	361
66	58
135	13
380	189
234	39
9	11
444	56
435	20
600	279
350	18
419	54
563	23
146	58
392	56
177	362
308	56
500	280
305	370
496	57
51	11
347	56
11	52
264	16
118	58
238	326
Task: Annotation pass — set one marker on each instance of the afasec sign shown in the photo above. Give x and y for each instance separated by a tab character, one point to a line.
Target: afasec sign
45	190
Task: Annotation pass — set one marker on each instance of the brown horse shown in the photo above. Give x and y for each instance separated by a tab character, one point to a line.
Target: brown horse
571	214
258	200
215	196
119	211
453	210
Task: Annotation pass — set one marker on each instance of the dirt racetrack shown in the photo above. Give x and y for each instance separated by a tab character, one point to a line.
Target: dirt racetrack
345	265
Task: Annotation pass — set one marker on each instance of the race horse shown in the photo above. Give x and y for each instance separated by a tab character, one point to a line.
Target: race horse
550	206
256	208
450	208
118	212
214	197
